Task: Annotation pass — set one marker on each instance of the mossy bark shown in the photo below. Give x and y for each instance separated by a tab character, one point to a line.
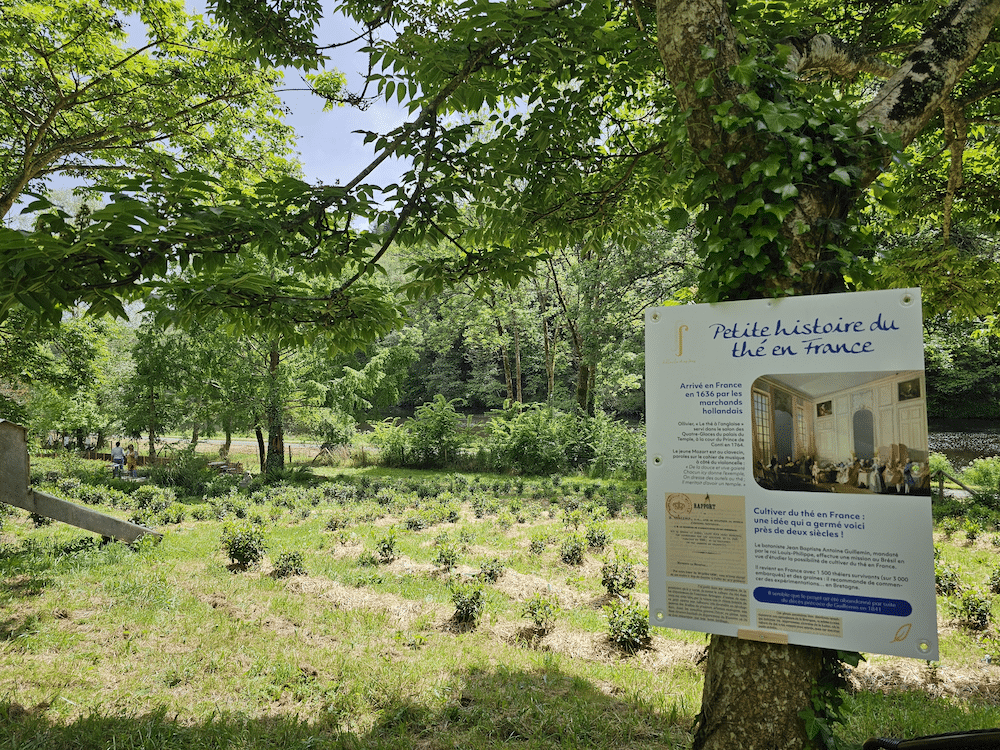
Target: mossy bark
753	694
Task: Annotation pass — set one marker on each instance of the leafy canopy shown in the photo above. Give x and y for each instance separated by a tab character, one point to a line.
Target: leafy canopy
105	89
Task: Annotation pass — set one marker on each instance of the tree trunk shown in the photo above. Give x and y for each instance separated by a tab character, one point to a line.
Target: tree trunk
550	358
261	452
583	386
517	362
753	693
550	337
274	416
227	426
152	426
508	377
591	388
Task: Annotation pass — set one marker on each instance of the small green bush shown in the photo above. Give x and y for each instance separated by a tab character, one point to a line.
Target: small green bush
244	543
949	526
491	570
201	512
289	564
174	513
972	529
983	472
39	520
598	536
385	546
368	559
628	626
338	520
947	579
538	542
505	520
939	462
618	574
571	549
447	555
542	611
469	599
974	610
994	581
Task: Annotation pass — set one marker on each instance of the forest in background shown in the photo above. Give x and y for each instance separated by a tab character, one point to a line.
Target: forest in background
571	338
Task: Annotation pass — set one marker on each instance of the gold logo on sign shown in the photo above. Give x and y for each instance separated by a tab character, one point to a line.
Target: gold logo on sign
902	633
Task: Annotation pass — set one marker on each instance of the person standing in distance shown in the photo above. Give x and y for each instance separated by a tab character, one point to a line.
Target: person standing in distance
117	459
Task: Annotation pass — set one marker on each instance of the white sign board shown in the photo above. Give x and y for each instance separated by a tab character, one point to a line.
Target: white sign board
788	492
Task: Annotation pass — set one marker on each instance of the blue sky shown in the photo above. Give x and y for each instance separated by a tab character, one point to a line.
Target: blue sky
328	145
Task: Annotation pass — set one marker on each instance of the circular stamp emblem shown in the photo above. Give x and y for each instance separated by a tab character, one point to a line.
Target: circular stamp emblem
679	505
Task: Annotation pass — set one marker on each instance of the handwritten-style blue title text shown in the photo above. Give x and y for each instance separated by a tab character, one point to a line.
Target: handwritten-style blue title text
817	336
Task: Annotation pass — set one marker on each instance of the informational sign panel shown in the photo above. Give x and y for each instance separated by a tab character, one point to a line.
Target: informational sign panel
788	486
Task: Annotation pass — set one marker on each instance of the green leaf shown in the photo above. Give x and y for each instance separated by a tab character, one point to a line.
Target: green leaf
842	176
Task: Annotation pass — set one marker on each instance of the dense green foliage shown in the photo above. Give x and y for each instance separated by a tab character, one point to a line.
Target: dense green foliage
962	371
111	88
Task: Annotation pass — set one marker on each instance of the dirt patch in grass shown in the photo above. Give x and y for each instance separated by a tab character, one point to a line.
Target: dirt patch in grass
980	682
401	612
520	587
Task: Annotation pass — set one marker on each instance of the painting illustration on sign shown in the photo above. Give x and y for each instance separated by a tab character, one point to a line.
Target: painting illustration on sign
875	444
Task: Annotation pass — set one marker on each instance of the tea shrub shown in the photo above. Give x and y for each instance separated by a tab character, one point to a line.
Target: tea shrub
505	519
491	570
201	512
39	520
618	574
415	521
542	611
628	626
972	529
974	610
571	549
539	541
173	513
244	543
994	581
466	535
289	564
385	546
598	536
947	579
469	599
949	526
338	520
447	555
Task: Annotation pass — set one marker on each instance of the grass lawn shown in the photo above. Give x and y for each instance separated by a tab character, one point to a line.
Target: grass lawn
175	646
